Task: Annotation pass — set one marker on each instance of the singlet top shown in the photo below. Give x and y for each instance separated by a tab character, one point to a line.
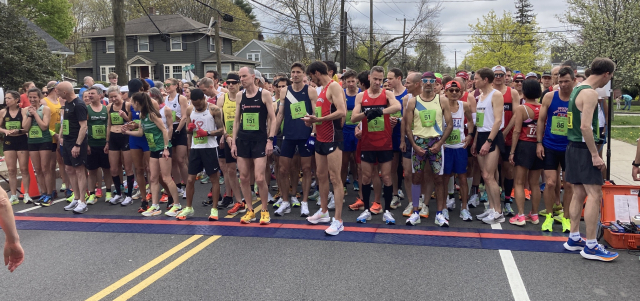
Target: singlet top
203	120
484	114
601	119
376	133
296	105
163	116
330	130
174	105
36	134
135	115
253	117
115	117
13	123
398	128
97	126
153	135
574	118
507	114
528	131
457	136
427	118
229	112
351	103
555	131
56	112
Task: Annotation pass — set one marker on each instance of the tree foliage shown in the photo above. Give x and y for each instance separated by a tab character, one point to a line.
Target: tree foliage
53	16
23	55
500	40
524	12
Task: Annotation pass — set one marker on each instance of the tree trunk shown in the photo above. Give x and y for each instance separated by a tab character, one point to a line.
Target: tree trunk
120	41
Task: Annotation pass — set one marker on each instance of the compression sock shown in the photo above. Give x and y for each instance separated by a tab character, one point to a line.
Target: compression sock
130	180
387	191
117	183
366	193
415	195
508	186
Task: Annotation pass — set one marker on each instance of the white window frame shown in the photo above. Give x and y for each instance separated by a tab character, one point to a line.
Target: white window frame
212	44
171	73
104	72
253	55
141	43
110	42
174	40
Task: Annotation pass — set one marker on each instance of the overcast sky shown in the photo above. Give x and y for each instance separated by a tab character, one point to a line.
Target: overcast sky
455	17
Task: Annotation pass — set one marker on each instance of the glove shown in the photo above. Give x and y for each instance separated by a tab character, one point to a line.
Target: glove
191	127
201	133
373	114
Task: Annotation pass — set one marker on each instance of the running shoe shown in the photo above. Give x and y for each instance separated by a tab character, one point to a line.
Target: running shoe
27	199
213	216
227	202
115	199
248	217
408	210
345	190
445	213
39	200
319	217
335	228
107	196
356	186
153	210
164	198
274	187
502	196
275	198
265	219
566	225
143	207
237	207
47	201
424	212
63	187
137	195
484	214
278	203
558	218
68	194
413	220
421	202
542	186
400	194
395	202
388	218
284	208
572	245
364	217
494	218
532	218
508	211
184	194
358	205
81	208
465	215
332	202
518	220
71	206
205	180
315	195
547	226
184	213
451	203
527	194
295	202
484	197
135	185
14	200
441	220
376	208
127	201
304	209
92	200
98	192
270	198
598	253
557	208
175	210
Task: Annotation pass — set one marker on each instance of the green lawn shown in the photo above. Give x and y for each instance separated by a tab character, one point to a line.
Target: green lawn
626	120
628	135
634	107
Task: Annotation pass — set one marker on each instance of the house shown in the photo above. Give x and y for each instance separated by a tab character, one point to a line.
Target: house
152	55
53	45
269	58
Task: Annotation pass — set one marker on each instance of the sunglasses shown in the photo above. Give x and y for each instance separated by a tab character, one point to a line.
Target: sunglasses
499	75
454	90
167	85
45	93
428	80
232	82
518	81
281	87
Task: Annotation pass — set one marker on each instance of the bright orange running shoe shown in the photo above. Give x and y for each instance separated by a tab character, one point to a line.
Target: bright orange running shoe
164	198
527	194
237	207
376	208
358	205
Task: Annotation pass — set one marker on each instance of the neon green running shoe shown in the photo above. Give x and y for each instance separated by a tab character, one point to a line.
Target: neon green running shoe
214	214
566	225
14	200
547	226
92	200
70	199
175	210
186	212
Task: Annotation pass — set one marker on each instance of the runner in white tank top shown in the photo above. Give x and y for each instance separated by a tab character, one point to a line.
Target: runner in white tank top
484	113
203	121
174	105
456	139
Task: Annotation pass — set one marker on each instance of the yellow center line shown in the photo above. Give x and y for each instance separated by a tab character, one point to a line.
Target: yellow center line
157	275
110	289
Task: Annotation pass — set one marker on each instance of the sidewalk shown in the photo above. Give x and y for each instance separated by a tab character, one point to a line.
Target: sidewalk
622	154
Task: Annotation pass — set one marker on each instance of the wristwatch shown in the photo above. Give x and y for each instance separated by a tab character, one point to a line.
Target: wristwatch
271	138
490	141
78	145
635	164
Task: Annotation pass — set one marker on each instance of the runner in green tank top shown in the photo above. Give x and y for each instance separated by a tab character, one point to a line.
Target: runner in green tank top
37	125
97	150
574	116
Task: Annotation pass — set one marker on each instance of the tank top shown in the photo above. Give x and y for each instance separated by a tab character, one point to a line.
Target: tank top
97	126
115	117
398	128
457	136
56	112
574	118
529	125
331	130
153	135
507	113
36	134
376	133
351	103
229	112
13	123
296	106
484	114
253	118
555	131
427	118
174	105
203	120
162	114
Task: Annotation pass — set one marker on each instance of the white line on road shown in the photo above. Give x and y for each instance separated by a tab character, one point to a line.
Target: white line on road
36	207
518	289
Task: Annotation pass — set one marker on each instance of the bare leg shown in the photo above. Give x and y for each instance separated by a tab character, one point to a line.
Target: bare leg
488	165
244	166
11	159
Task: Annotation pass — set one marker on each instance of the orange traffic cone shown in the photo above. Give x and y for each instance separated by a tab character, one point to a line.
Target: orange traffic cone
33	184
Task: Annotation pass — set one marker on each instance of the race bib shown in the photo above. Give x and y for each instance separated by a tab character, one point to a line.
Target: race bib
250	121
98	132
137	121
35	132
200	140
57	126
319	114
454	137
229	126
298	110
428	118
376	125
559	125
397	114
569	120
65	127
348	120
13	125
480	119
150	141
116	118
173	115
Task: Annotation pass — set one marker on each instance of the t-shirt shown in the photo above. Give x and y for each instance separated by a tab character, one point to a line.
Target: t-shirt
74	112
24	101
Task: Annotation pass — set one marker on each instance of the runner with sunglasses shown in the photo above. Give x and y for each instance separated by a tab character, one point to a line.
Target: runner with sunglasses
118	146
178	105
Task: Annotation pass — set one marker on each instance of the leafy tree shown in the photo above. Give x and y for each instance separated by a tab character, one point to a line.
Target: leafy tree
524	12
53	16
246	7
23	55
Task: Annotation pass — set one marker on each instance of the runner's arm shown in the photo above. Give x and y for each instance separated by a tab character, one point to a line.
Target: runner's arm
217	118
183	108
514	107
313	97
43	122
336	96
517	129
280	115
158	122
498	109
109	122
408	117
236	119
356	115
271	116
394	104
169	117
588	107
542	118
81	114
469	115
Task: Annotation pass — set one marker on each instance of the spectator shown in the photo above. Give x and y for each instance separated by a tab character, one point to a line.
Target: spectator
24	100
113	79
627	102
88	82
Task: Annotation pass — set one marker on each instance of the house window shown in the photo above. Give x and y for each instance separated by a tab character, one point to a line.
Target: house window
176	42
173	71
253	57
212	44
267	75
143	43
226	68
104	72
110	46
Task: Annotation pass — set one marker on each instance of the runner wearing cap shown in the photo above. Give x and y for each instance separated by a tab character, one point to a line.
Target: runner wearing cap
178	104
473	171
517	85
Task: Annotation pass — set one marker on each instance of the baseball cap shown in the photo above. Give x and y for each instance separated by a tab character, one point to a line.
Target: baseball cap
499	68
546	73
463	74
100	86
428	74
233	76
452	83
124	89
258	74
532	74
518	76
150	82
438	75
134	86
197	94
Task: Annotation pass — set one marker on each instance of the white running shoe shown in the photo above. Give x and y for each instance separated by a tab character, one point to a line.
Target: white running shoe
137	195
465	215
304	209
400	194
421	202
451	203
332	203
364	217
319	217
81	208
184	194
424	212
115	199
388	218
284	208
445	213
295	202
72	205
494	218
335	228
474	201
395	202
270	199
127	201
278	203
441	221
413	220
484	214
408	210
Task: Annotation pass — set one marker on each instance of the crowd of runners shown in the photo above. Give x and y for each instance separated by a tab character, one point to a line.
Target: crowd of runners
495	136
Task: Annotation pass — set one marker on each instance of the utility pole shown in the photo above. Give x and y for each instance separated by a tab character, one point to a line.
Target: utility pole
455	60
371	34
343	37
218	41
404	40
120	42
